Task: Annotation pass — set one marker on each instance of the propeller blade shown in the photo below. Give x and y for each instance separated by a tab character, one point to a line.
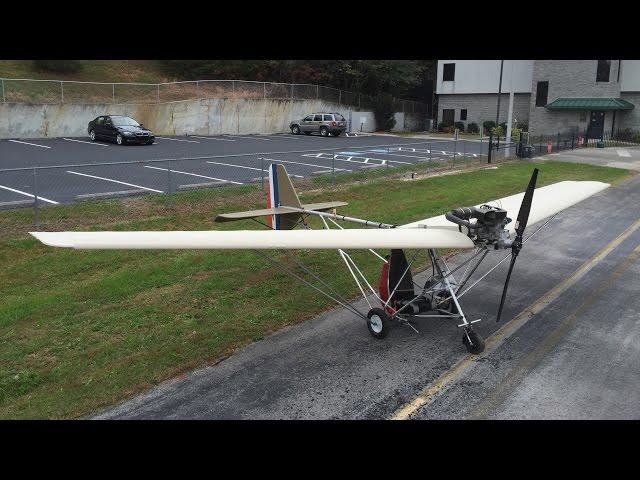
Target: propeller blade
506	286
521	224
525	206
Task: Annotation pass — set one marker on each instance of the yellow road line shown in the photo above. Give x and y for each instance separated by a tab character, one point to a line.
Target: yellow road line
509	328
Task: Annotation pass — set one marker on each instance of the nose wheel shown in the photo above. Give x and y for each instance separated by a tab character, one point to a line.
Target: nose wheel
378	322
472	341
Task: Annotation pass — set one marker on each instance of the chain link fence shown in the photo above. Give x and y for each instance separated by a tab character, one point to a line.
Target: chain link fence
133	195
64	91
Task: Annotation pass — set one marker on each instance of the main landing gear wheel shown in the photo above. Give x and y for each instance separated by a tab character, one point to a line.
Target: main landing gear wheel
295	130
472	341
378	322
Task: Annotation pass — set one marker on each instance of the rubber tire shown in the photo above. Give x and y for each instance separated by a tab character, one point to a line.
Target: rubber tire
93	138
150	143
386	323
324	132
477	346
122	140
294	128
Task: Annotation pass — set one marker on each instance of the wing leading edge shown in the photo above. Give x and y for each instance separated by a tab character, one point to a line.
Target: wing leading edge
259	239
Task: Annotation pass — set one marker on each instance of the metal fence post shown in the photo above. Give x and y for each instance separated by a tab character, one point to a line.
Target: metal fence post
169	188
36	208
481	150
61	92
490	146
333	167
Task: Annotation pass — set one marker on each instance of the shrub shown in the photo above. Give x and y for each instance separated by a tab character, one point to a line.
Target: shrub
488	125
503	125
497	131
445	127
459	126
58	66
473	128
515	133
383	110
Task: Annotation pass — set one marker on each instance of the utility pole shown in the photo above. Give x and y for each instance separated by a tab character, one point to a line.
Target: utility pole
510	114
499	92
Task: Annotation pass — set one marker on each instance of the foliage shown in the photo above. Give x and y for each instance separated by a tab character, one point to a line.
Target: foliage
58	66
459	126
497	131
383	109
473	128
488	125
400	78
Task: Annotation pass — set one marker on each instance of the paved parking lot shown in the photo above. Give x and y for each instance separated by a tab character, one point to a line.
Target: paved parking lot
72	169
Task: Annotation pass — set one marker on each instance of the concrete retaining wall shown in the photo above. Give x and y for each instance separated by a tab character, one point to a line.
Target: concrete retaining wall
197	117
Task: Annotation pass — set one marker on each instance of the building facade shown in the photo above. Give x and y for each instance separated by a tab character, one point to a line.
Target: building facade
550	96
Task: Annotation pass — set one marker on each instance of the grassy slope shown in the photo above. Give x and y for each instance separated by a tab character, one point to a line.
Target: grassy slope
80	330
144	71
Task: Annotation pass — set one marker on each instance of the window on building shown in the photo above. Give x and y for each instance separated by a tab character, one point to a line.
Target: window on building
463	114
448	72
604	68
448	116
542	91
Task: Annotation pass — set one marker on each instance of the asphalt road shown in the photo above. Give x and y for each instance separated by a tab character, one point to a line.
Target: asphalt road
175	163
575	356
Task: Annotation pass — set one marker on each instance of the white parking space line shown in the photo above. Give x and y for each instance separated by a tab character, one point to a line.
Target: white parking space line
83	141
213	138
178	140
29	195
248	168
623	153
250	138
306	164
284	135
350	157
195	175
115	181
32	144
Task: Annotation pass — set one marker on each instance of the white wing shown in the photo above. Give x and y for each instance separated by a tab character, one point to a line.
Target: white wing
260	239
547	201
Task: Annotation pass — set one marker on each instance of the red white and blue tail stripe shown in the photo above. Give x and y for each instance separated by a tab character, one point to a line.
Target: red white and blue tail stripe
273	197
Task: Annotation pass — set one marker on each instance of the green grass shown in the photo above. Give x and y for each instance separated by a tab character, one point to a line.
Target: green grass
81	330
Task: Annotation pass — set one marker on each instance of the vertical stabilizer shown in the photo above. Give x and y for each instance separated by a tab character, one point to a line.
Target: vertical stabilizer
282	193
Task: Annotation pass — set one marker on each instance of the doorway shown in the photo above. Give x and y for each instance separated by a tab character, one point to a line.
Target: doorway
596	124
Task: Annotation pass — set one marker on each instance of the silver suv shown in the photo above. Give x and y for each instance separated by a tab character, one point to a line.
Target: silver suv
322	123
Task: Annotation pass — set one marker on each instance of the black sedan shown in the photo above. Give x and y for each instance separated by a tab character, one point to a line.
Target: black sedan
121	129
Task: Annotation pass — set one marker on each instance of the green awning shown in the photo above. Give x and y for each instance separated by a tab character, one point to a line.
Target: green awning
596	103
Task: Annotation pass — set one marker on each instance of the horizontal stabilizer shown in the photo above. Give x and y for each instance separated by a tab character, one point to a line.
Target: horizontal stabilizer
231	217
260	239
